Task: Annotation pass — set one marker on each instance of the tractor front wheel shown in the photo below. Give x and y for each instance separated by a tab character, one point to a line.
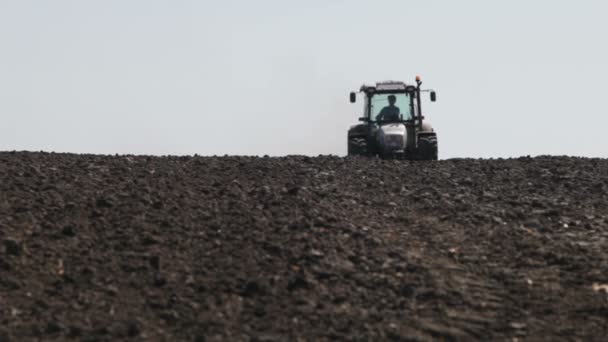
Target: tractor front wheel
357	146
427	148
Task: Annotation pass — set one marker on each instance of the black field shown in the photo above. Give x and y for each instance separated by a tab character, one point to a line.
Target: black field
106	248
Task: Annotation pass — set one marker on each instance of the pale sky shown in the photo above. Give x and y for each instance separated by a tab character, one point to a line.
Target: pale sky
272	76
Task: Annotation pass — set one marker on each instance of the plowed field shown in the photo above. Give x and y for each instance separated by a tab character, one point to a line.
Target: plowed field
105	248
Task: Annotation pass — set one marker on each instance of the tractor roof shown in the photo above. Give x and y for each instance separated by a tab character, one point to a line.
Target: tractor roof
386	86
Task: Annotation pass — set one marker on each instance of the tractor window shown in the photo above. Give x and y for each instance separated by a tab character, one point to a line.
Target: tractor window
380	101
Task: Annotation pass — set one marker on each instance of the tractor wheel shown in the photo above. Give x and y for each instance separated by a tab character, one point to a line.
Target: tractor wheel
427	148
357	147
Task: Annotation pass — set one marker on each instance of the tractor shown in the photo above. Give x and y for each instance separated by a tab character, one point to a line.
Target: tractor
392	126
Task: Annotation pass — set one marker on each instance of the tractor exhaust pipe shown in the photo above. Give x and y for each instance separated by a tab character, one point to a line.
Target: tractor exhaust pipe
419	83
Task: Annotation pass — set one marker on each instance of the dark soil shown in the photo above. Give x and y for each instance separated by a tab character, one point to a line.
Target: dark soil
103	248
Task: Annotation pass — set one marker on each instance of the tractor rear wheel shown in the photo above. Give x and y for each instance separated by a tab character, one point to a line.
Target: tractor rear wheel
427	148
357	146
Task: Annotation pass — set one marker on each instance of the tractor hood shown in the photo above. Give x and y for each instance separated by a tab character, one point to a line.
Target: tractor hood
392	137
393	128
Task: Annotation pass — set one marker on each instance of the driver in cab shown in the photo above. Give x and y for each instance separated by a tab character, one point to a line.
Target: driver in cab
389	113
